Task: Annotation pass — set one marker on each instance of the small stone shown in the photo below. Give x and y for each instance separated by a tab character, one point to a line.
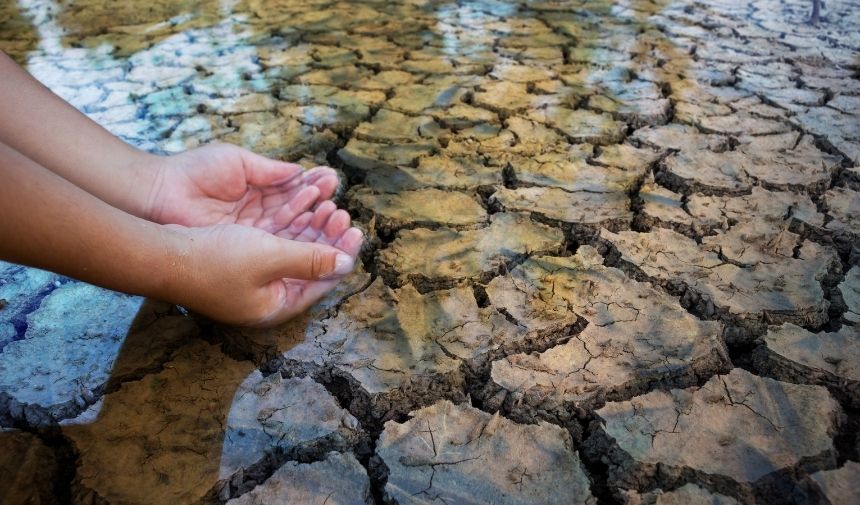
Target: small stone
440	447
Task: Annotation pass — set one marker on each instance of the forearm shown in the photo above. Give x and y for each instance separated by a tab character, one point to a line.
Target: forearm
41	126
49	223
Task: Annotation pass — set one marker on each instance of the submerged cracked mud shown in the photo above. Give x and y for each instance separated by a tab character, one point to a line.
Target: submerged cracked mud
612	258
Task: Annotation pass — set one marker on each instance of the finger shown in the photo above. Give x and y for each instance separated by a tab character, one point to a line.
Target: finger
302	260
262	171
315	173
350	242
314	228
302	202
327	186
338	223
296	227
324	178
298	297
308	177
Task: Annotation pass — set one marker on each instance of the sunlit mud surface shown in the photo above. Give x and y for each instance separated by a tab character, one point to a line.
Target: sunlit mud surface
612	257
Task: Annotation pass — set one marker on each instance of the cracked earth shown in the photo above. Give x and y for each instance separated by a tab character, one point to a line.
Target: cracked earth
613	257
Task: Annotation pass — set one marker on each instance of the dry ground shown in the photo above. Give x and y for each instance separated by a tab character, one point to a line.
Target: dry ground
612	258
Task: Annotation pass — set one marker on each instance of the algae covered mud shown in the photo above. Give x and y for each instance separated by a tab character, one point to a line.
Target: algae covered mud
612	258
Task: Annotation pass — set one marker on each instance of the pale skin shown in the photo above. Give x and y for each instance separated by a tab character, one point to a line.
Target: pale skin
235	236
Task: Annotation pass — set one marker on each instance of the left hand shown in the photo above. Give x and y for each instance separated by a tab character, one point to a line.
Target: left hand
225	184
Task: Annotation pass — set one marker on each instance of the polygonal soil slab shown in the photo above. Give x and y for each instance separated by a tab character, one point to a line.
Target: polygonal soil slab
570	170
610	210
450	453
159	439
436	171
662	207
399	346
689	494
339	479
581	125
72	339
639	109
837	487
423	207
802	168
628	157
706	172
276	415
445	255
375	156
393	127
678	136
637	336
773	207
20	290
28	469
843	207
752	296
504	97
849	288
737	434
178	435
830	359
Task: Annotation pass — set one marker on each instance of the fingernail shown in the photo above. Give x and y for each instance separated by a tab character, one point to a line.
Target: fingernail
343	264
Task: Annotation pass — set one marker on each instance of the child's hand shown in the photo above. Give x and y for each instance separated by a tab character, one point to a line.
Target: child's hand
242	275
225	184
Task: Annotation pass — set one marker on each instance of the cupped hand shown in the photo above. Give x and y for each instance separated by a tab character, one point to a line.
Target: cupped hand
243	275
225	184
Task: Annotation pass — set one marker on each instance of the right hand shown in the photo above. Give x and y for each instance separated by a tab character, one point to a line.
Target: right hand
242	275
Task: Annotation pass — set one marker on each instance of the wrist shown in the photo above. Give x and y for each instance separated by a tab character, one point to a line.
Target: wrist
146	182
172	280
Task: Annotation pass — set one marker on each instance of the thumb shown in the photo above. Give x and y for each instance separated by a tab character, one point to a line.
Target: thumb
308	261
262	171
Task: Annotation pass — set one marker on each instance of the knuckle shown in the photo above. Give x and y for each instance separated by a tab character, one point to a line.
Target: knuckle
317	264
